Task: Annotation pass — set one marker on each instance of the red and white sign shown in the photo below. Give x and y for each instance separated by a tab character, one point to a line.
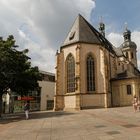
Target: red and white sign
27	98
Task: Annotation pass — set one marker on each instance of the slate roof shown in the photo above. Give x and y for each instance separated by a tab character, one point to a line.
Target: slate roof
127	40
83	32
129	44
119	51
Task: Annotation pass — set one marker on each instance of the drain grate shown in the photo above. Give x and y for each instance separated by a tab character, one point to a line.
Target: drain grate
99	126
113	132
130	125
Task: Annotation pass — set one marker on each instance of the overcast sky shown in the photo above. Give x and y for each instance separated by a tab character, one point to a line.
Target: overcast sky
42	25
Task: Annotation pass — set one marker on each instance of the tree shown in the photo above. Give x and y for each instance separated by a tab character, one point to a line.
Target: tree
16	72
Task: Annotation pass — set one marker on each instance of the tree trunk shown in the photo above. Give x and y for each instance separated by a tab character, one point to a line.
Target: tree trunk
0	105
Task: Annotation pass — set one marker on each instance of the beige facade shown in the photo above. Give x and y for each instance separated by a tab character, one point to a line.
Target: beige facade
81	98
114	72
47	86
119	90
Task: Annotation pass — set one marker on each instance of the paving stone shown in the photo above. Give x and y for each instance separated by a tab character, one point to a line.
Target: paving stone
71	138
130	125
90	137
94	124
99	126
105	138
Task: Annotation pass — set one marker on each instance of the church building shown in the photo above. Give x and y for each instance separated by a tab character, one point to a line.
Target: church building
92	73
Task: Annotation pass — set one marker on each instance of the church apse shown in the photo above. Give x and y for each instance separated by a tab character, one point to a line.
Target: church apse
90	70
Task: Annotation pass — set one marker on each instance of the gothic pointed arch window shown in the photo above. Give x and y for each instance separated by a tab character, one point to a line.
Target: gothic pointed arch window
70	68
90	73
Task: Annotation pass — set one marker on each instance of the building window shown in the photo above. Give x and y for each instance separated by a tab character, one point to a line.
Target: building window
46	77
72	34
70	63
129	92
90	73
132	56
126	54
122	67
50	104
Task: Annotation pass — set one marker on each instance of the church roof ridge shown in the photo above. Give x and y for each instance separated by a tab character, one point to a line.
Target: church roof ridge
80	32
83	32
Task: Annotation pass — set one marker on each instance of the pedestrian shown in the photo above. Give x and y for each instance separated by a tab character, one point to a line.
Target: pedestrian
135	103
138	105
26	109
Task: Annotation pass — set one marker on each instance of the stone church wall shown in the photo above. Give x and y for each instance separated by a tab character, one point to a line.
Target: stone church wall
92	101
119	92
70	102
99	67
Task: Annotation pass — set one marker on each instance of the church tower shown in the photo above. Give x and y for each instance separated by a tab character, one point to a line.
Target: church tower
102	28
129	48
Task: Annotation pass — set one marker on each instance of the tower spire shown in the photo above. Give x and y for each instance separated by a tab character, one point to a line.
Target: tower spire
125	26
102	26
127	33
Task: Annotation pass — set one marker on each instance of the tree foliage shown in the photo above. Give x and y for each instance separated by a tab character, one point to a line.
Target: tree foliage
16	72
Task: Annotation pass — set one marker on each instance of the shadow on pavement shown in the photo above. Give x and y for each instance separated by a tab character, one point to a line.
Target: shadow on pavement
10	118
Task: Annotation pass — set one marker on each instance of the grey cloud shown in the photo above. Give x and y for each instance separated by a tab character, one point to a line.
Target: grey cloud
47	23
54	18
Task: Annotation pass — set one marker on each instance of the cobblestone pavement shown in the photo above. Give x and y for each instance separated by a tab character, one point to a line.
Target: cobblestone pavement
94	124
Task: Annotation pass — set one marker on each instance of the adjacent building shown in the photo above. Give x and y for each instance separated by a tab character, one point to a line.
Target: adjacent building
43	99
47	86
